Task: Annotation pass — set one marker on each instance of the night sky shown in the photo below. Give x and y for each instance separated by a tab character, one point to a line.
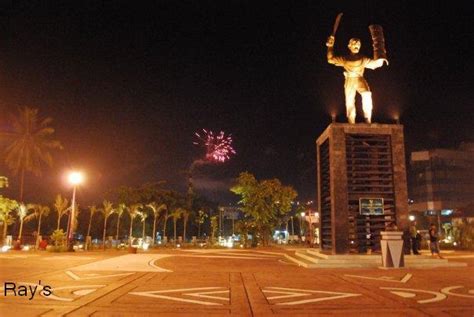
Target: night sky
128	84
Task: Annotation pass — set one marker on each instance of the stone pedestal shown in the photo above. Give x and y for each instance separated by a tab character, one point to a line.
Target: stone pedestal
354	162
392	249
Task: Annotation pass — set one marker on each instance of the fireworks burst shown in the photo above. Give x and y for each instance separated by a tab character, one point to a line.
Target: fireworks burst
218	146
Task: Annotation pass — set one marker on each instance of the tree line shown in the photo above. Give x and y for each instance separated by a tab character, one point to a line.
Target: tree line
132	212
28	145
151	208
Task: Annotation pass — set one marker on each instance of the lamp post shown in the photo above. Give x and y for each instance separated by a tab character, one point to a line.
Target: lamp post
292	227
75	179
302	214
310	226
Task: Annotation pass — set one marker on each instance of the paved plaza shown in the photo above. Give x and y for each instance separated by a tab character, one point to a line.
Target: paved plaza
219	282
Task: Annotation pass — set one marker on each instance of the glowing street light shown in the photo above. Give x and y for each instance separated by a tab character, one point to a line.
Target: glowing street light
74	178
302	214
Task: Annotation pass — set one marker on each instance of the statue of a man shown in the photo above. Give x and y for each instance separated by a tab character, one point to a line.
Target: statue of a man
354	65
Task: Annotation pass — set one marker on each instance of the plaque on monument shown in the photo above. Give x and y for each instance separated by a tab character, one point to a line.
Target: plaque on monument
371	206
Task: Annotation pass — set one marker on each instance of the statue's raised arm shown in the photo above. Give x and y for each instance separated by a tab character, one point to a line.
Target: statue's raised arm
378	44
332	59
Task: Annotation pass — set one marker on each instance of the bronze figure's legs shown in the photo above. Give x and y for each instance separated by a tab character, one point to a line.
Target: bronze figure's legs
351	86
350	92
367	105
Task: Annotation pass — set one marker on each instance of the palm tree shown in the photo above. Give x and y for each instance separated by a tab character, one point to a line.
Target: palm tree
185	214
133	211
93	209
30	143
38	212
165	222
156	213
22	212
6	208
214	226
120	210
176	214
107	211
143	216
200	218
61	206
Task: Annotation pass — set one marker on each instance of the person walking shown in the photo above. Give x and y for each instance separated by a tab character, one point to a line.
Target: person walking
413	237
434	241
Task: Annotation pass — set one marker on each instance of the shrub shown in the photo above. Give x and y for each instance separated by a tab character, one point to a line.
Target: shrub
464	234
59	238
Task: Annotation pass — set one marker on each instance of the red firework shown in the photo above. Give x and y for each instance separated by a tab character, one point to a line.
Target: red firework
218	146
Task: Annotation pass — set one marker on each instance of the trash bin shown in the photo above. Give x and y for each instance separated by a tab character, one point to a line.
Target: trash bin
132	250
392	249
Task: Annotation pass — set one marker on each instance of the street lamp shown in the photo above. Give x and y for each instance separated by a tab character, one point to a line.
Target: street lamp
74	178
310	227
302	214
292	227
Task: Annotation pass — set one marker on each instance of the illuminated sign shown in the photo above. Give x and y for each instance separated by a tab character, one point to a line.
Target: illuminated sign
371	206
447	212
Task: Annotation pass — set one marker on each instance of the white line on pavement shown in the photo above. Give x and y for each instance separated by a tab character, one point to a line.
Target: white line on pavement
206	295
156	294
126	263
403	292
405	279
95	276
333	295
222	257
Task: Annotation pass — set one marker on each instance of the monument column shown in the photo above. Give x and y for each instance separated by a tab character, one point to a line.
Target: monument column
362	188
400	179
338	181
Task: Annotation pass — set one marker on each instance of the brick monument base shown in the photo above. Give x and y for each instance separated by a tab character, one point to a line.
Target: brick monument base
362	185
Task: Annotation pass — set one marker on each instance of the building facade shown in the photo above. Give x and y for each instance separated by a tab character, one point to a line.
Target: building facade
442	181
